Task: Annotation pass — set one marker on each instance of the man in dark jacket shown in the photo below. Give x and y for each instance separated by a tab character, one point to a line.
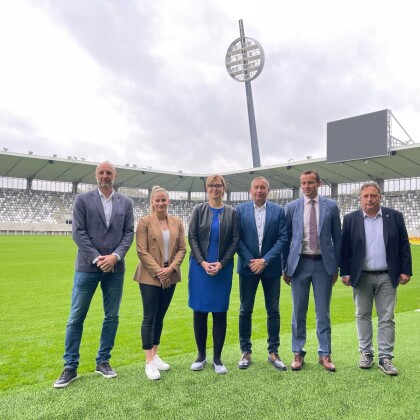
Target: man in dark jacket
376	258
262	240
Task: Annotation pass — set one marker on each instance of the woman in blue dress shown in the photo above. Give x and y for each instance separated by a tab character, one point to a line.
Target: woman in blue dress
213	236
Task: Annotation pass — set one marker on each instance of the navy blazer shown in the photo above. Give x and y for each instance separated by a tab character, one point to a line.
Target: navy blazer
397	245
274	239
91	234
329	234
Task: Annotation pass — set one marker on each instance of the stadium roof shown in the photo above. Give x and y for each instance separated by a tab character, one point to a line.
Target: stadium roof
403	162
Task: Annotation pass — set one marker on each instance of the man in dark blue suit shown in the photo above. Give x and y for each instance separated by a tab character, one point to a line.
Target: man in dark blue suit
262	239
312	256
376	258
103	229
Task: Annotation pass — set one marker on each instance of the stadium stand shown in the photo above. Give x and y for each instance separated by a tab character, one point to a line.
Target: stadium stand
26	211
179	208
21	206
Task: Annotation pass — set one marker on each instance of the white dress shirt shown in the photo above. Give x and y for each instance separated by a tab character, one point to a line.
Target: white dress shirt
107	204
259	213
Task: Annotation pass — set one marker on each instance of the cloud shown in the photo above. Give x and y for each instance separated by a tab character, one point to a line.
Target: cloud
144	82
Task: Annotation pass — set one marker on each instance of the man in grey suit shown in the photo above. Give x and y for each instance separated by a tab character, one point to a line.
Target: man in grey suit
103	229
312	255
262	239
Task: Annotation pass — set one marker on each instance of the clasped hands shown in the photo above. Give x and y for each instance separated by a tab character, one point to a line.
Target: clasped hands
211	268
107	263
164	276
257	265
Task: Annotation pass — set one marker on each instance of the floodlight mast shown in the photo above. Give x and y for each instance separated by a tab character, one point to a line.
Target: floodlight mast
250	102
244	62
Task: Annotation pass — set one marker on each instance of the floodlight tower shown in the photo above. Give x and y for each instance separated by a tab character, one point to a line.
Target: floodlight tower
244	62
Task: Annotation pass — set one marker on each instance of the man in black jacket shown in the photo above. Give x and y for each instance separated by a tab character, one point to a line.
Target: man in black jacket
376	258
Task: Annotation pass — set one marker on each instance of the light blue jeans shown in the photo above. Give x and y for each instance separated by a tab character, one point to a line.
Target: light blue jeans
376	288
84	288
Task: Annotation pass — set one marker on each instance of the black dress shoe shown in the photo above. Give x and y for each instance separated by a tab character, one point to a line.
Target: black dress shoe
245	360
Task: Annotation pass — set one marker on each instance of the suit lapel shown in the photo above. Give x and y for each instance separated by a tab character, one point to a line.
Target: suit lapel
173	234
385	217
322	211
268	216
157	231
115	205
361	222
251	217
299	214
98	202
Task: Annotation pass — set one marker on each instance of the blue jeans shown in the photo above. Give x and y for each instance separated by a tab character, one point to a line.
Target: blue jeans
84	287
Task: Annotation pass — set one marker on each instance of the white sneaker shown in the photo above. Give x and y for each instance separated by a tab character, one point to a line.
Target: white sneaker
160	364
220	369
152	371
198	365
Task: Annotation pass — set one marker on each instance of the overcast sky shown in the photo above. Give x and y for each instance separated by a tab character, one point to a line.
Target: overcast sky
144	81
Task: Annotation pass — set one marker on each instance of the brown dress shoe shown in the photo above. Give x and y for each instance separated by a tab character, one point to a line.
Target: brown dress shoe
326	362
298	362
245	360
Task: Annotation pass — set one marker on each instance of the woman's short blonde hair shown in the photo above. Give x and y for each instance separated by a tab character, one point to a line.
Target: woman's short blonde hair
156	189
212	178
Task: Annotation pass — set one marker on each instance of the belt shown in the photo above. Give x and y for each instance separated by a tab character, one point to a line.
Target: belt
166	264
311	257
375	272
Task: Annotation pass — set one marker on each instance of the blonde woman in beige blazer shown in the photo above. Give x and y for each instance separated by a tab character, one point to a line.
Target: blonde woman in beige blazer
161	249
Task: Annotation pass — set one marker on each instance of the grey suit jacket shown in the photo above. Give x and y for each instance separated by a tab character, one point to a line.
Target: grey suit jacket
329	234
91	234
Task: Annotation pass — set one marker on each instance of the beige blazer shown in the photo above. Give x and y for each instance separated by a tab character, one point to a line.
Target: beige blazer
150	249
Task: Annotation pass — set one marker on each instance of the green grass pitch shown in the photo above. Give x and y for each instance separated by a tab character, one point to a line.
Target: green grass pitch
36	276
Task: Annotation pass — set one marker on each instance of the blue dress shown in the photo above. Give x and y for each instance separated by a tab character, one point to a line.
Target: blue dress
210	293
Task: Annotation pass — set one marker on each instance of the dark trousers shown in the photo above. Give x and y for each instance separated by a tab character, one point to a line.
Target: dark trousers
247	289
219	334
155	304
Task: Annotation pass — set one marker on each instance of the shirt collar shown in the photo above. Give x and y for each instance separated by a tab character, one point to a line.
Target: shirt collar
259	207
307	199
101	194
376	215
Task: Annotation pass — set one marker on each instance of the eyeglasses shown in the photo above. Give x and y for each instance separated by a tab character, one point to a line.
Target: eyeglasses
215	186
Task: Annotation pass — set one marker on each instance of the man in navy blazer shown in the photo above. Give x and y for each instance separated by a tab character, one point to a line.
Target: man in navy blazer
103	229
262	239
312	259
376	258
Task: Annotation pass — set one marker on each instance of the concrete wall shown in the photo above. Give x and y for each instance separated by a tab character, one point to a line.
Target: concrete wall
35	229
